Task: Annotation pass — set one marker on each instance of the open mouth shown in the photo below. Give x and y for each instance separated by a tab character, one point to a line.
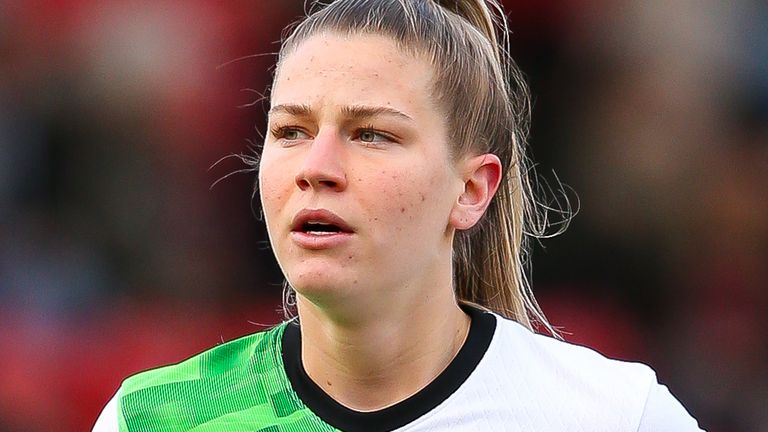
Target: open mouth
320	228
319	222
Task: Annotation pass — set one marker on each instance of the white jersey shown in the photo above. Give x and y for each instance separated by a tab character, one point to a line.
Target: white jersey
505	378
530	382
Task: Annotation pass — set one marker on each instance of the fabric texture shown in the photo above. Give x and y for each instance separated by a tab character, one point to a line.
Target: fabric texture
234	387
523	382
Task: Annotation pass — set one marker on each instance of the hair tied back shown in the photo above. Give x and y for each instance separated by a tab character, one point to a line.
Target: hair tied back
482	14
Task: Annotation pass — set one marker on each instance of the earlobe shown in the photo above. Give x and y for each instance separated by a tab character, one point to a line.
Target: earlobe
482	175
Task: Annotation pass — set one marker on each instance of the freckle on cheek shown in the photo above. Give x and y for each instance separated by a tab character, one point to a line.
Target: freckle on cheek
402	209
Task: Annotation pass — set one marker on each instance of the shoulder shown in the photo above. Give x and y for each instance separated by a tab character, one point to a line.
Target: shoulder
664	413
569	362
583	386
214	383
260	348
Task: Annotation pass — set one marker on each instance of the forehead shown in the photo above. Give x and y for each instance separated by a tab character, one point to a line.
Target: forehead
331	69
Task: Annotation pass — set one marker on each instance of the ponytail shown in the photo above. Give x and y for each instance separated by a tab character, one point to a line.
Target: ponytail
477	13
491	260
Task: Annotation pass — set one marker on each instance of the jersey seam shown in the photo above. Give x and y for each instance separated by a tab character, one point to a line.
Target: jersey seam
645	406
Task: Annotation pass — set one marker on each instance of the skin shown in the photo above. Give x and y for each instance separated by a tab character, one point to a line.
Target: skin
379	319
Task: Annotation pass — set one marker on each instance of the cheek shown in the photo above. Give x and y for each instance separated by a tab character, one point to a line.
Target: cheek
274	185
403	200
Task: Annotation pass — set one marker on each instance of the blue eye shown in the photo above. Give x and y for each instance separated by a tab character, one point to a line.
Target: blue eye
369	136
292	134
289	133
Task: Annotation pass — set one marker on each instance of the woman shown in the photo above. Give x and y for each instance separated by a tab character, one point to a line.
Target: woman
395	195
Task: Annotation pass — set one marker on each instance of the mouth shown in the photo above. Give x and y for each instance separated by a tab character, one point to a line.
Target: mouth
319	229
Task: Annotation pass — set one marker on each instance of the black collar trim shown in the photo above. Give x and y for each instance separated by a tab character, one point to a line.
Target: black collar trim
444	385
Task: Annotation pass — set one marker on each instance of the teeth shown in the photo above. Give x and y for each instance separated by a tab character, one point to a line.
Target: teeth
320	228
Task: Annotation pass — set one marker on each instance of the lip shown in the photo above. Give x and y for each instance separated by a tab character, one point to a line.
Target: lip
319	241
319	215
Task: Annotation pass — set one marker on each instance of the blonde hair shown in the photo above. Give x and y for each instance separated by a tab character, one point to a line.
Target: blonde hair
487	106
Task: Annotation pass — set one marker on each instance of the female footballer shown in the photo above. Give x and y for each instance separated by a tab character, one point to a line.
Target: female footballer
393	184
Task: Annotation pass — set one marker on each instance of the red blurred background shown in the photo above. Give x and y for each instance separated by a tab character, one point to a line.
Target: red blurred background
117	256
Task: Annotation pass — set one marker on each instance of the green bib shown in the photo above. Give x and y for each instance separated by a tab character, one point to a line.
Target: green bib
238	386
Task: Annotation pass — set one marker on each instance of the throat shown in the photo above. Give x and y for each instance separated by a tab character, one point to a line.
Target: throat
358	405
378	367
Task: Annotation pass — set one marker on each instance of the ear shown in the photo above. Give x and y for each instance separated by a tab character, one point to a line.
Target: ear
481	175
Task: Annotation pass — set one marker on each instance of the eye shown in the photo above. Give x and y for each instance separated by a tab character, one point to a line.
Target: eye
294	134
288	133
369	135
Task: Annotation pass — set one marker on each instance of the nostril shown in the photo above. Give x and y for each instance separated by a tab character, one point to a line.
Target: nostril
302	183
321	181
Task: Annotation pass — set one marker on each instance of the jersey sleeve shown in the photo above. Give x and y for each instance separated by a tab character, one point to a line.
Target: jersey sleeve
107	421
664	413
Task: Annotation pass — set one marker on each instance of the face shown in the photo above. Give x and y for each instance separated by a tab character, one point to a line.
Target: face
356	180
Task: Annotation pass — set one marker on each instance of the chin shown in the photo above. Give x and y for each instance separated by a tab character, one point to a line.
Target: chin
321	281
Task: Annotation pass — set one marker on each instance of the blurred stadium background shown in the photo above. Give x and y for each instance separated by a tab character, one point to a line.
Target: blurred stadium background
116	256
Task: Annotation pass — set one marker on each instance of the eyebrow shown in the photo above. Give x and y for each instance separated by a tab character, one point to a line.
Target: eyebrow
352	112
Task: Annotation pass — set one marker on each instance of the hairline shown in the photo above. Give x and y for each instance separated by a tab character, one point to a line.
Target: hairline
416	51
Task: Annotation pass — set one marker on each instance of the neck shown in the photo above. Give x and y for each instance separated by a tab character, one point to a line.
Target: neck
370	364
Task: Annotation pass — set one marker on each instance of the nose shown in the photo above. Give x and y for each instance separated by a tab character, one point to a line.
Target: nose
323	166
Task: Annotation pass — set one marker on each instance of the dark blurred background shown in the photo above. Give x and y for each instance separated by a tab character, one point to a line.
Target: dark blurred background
117	256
